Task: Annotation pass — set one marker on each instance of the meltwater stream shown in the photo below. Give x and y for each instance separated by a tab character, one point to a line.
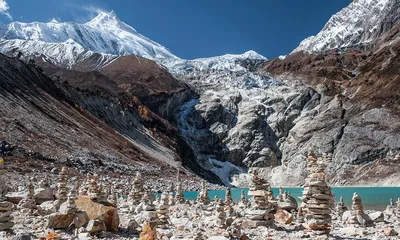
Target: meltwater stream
376	198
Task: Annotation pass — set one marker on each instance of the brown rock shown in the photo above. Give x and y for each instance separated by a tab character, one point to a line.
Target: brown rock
390	232
148	233
95	210
60	221
283	217
81	219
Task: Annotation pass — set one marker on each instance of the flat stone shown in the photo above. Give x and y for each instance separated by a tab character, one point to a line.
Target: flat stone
352	231
254	223
323	206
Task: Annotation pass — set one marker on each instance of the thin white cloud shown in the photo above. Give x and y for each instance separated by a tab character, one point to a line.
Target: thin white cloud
92	11
4	9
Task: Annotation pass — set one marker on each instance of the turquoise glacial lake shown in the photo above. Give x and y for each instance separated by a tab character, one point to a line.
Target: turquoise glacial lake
376	198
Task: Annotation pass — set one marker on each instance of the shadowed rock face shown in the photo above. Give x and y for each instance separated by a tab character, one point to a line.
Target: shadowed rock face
45	124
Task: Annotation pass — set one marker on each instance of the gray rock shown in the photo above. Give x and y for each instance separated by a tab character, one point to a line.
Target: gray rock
22	236
376	216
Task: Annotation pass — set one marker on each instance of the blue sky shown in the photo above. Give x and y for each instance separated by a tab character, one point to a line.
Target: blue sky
196	28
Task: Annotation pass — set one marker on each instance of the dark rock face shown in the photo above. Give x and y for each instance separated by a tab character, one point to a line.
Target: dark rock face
42	123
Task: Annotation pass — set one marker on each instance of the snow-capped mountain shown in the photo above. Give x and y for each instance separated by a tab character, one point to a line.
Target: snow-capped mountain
103	34
359	23
65	54
67	44
230	70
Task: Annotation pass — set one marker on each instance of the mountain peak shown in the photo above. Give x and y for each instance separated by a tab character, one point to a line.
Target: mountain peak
253	55
104	18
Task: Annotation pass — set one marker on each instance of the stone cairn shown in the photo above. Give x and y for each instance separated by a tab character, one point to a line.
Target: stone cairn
243	201
137	190
71	207
260	213
43	183
171	199
163	211
300	216
112	198
398	208
102	195
62	186
149	211
203	197
340	207
94	191
5	207
179	192
221	214
317	197
62	189
83	189
28	203
228	197
358	217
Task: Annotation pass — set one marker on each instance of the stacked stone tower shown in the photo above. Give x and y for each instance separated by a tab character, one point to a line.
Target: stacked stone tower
94	191
358	216
203	197
260	213
149	211
5	207
137	190
340	207
179	192
317	196
163	211
221	214
62	185
228	197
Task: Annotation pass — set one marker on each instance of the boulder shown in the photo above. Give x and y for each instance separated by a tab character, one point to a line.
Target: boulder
283	217
94	210
60	221
376	216
43	195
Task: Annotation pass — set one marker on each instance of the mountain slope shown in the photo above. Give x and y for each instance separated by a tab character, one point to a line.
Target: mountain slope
356	115
45	124
362	22
103	34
